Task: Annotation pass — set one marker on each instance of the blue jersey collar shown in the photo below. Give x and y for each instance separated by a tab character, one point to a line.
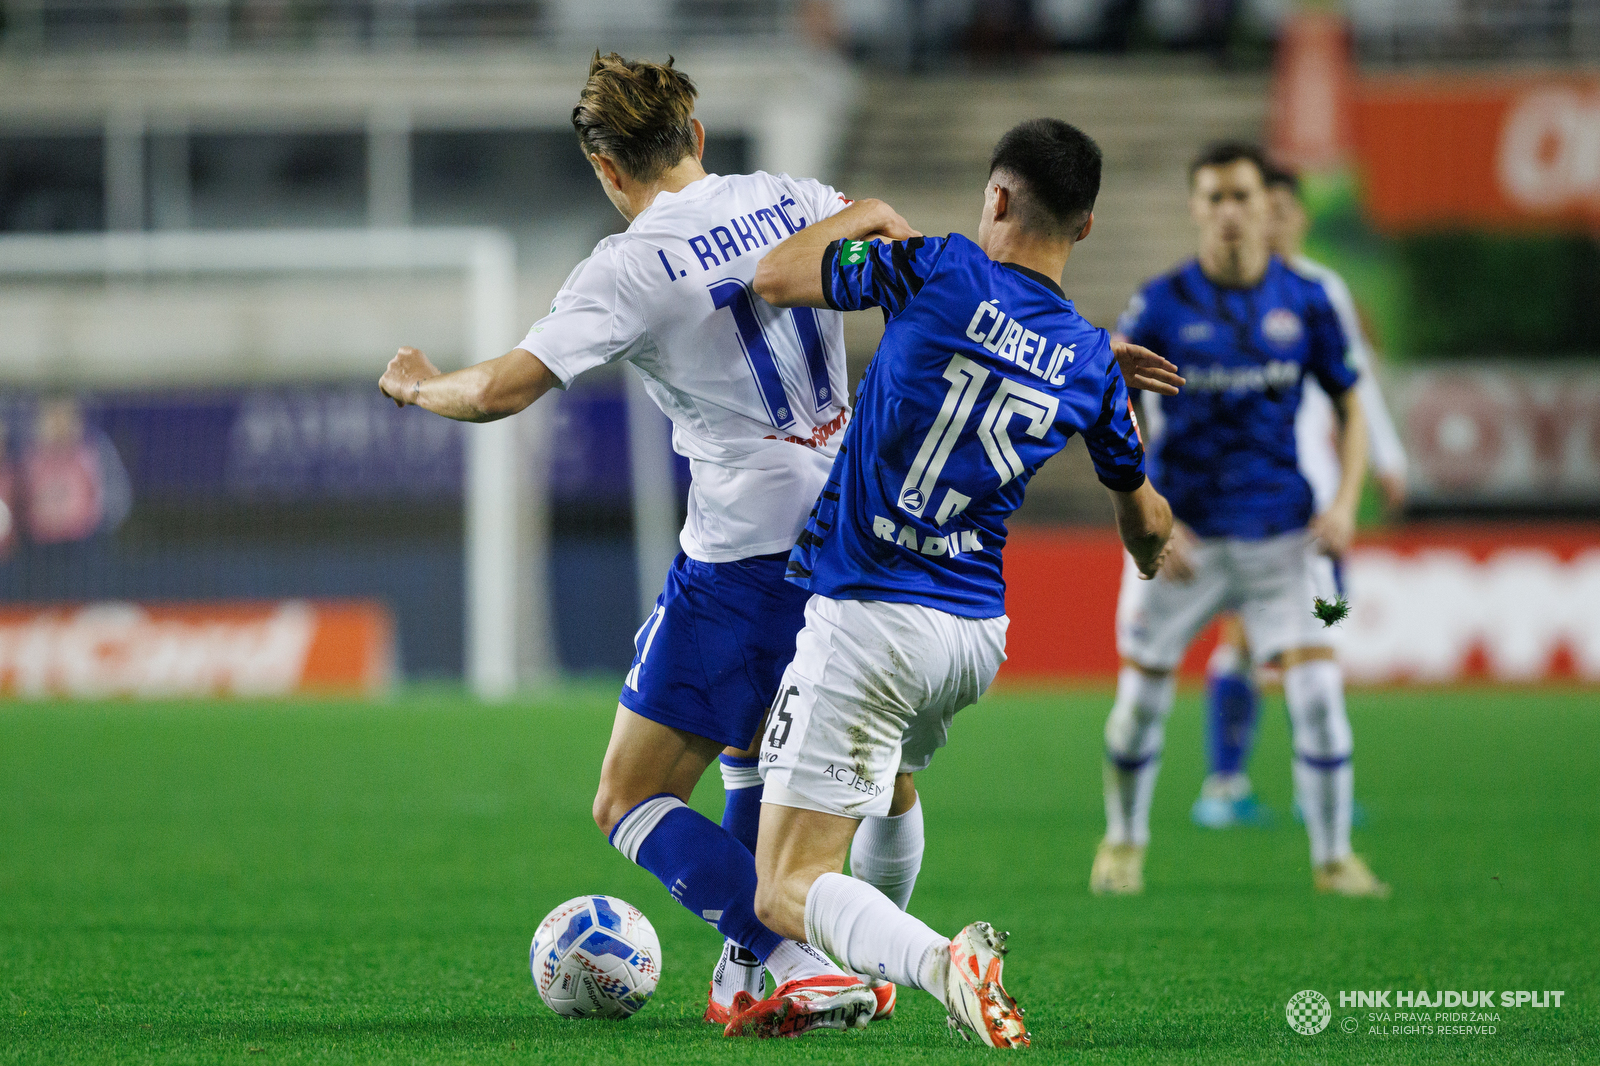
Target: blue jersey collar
1047	282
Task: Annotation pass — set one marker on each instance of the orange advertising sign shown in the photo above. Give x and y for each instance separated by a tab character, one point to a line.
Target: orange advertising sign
278	648
1308	126
1497	152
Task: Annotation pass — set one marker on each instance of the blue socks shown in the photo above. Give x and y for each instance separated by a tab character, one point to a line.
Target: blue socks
704	866
1232	706
741	783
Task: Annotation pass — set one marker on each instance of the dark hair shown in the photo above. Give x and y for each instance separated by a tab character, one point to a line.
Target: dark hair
636	113
1282	177
1058	166
1221	153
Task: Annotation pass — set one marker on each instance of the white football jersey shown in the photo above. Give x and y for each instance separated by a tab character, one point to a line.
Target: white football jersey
1316	422
756	393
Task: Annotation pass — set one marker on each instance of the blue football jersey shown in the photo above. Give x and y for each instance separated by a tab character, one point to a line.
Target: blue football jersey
984	372
1223	450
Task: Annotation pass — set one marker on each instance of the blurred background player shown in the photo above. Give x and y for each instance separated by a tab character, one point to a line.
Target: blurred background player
985	371
757	400
1245	330
1232	697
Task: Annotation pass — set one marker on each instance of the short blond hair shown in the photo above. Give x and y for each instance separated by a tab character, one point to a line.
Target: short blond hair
636	113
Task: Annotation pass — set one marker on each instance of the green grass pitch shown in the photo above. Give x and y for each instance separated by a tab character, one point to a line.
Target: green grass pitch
338	882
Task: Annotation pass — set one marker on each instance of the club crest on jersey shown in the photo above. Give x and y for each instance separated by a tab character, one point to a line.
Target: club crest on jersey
912	500
1281	326
853	253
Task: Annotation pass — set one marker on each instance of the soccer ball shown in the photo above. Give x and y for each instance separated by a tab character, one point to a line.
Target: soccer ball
595	957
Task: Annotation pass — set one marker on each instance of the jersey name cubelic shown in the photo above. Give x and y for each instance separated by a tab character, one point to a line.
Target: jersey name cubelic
984	372
756	394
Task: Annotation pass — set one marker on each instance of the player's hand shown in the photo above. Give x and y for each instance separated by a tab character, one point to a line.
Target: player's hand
1177	558
1333	530
1394	489
405	371
889	225
1144	369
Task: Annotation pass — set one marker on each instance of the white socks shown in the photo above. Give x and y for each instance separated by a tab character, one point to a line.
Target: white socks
738	970
791	960
862	928
1326	797
1323	779
1135	733
887	853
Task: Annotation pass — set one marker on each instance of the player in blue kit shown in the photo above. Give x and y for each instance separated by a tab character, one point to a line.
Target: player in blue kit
984	372
1232	703
1245	330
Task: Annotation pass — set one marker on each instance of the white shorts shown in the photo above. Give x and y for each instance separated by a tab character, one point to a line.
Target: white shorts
1271	583
870	693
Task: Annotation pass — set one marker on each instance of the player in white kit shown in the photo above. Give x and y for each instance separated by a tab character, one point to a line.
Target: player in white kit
1232	702
757	400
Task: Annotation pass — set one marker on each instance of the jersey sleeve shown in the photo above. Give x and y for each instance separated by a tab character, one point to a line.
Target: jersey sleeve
1330	358
821	201
1114	443
594	319
1388	455
886	274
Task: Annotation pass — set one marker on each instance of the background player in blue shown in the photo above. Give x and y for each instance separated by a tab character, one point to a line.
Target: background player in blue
984	372
1232	702
1244	330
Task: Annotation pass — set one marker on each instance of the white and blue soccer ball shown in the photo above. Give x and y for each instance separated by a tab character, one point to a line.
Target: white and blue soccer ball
595	957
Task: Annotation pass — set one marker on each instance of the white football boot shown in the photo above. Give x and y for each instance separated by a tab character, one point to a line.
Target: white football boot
1349	876
1118	869
972	990
807	1005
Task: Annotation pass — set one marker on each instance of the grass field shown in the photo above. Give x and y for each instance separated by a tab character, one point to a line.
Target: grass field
336	882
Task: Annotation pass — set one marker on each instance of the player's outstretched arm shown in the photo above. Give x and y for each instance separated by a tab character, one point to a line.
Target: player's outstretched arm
791	274
1143	369
1335	528
1144	520
483	392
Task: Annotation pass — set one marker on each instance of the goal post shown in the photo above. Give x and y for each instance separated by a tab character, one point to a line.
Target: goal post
508	625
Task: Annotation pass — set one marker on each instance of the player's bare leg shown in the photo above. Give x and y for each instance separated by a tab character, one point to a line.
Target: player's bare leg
887	854
645	759
1135	733
801	890
646	779
1313	687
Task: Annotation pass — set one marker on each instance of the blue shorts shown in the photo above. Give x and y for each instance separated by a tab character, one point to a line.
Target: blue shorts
709	657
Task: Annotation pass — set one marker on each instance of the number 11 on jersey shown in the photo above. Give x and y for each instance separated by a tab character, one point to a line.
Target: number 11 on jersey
736	296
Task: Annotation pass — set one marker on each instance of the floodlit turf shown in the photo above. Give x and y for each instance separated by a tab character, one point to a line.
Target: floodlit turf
323	882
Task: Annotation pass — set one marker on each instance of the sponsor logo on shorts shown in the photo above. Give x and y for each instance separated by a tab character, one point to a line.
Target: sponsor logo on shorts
846	776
